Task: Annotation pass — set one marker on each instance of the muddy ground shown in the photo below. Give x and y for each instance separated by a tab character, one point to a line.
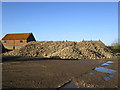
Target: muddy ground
24	72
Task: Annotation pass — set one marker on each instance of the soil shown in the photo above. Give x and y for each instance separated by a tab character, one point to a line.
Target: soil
26	72
64	50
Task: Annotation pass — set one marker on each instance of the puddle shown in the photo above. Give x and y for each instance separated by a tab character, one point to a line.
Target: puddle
106	78
86	88
105	64
106	70
109	62
90	73
111	75
82	87
69	85
103	69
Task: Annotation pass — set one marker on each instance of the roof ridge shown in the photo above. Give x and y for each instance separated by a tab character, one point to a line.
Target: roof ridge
18	33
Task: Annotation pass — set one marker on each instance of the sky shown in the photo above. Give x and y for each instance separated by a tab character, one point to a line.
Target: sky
58	21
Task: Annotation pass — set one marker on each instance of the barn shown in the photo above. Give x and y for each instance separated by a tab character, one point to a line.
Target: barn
16	40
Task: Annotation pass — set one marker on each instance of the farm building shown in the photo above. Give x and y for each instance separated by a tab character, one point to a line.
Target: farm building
15	40
2	48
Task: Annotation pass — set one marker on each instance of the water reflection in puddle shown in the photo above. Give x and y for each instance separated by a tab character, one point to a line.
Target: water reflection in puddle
105	64
69	85
109	62
106	78
102	69
111	75
82	87
88	88
90	73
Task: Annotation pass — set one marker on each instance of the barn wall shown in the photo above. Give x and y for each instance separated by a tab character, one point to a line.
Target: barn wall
10	44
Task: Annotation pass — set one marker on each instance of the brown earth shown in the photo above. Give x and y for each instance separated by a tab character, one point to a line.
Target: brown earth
96	80
25	72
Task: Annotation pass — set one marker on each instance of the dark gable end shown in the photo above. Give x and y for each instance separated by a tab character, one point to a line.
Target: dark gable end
31	38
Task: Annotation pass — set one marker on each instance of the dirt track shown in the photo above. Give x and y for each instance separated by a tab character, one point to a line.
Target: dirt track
45	73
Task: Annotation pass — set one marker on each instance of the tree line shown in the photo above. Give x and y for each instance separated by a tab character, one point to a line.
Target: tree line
115	47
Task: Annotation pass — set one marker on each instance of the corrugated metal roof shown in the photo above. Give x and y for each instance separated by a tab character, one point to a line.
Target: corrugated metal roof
15	36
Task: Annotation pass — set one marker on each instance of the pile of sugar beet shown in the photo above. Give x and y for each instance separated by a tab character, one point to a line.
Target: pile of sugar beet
64	50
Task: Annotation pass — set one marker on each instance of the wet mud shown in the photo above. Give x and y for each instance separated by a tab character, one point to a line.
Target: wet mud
58	74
